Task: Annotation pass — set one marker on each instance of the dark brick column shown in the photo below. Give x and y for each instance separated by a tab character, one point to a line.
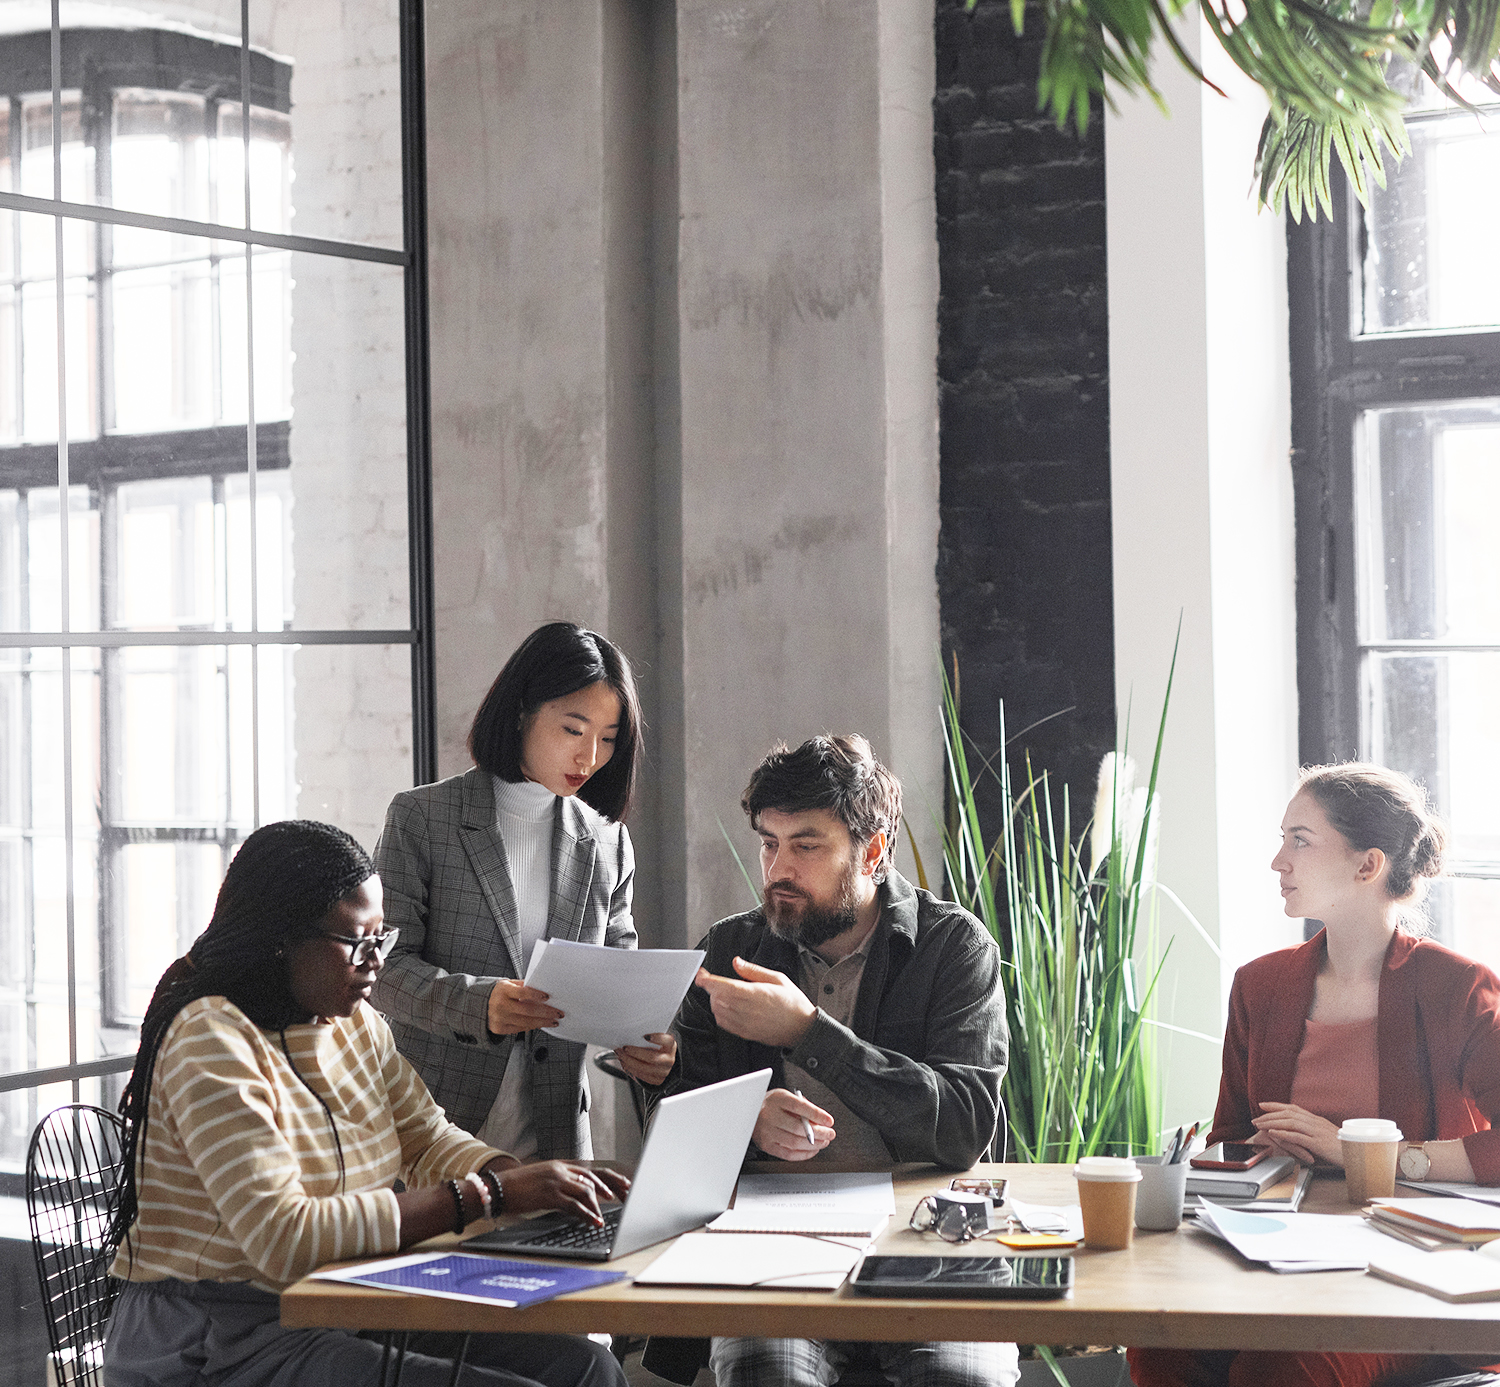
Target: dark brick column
1024	577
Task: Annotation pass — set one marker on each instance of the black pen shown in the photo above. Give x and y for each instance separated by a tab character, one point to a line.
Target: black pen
1171	1157
1187	1141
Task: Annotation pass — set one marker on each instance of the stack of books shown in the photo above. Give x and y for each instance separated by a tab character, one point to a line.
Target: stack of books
1436	1223
1275	1185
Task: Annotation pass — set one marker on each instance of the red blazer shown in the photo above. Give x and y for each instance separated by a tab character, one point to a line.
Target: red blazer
1437	1036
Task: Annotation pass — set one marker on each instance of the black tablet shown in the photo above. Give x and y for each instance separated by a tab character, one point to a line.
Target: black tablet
976	1278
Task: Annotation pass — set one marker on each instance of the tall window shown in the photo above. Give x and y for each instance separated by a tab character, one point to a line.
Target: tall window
1396	424
206	562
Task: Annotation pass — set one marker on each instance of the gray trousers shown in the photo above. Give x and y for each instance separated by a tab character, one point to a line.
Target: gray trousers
818	1363
216	1334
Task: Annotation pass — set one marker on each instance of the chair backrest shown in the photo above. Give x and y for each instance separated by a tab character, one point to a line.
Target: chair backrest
72	1178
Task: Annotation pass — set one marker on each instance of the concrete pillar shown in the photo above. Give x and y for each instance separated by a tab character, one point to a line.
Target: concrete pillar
806	313
1202	528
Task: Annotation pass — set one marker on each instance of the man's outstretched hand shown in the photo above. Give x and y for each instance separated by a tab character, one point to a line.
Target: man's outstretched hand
767	1007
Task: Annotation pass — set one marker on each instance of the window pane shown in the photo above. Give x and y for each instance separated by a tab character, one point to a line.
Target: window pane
346	92
349	711
1433	716
1428	487
270	168
33	940
1465	915
38	177
1430	233
31	554
177	305
165	898
349	565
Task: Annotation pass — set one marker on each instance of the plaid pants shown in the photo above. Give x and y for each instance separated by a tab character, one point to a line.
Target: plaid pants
819	1362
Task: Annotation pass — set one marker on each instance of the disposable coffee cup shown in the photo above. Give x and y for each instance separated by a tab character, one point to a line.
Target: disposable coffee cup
1159	1196
1106	1193
1370	1146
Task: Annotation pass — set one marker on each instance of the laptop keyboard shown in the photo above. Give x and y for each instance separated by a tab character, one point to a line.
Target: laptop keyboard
581	1235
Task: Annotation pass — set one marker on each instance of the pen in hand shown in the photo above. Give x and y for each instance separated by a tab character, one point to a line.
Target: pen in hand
807	1130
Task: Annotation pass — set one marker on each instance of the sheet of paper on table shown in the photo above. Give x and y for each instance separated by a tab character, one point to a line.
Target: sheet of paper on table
825	1193
1485	1194
1295	1242
772	1261
851	1223
1062	1219
611	997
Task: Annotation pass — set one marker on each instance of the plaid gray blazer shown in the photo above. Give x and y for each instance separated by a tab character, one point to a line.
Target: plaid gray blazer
447	888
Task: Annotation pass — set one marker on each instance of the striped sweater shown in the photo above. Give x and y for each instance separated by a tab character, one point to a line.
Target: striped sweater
239	1179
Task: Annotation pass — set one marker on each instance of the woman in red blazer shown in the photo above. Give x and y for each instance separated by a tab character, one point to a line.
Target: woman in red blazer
1363	1020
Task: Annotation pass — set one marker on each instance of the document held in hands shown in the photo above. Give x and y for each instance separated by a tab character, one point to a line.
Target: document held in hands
611	997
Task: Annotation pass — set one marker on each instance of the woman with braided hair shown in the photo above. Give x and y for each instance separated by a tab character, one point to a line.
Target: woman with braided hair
268	1118
1366	1019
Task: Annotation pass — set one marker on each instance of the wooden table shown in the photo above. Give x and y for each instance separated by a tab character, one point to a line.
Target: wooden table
1177	1289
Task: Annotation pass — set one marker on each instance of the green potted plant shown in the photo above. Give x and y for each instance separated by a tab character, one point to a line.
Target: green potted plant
1068	913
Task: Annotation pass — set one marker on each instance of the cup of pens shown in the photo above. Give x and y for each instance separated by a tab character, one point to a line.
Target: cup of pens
1159	1196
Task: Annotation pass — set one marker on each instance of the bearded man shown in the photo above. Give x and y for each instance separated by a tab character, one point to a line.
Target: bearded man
878	1008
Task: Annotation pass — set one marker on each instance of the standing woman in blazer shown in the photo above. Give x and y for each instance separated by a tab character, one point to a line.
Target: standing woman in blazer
529	844
1364	1020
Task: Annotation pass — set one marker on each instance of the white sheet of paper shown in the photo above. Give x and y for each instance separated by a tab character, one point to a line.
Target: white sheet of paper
774	1261
1331	1240
611	997
1485	1194
1062	1219
829	1193
752	1218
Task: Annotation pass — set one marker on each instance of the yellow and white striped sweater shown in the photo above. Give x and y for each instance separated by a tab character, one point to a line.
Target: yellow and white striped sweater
239	1180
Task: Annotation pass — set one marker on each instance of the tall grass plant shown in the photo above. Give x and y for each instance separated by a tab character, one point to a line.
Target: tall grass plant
1067	914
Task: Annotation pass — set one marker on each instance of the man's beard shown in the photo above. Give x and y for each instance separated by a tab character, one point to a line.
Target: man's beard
808	923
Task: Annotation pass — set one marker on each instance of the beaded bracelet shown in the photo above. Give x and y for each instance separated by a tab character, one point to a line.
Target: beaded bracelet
482	1190
459	1221
497	1190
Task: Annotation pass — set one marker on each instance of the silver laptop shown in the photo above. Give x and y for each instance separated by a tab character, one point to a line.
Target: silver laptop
689	1163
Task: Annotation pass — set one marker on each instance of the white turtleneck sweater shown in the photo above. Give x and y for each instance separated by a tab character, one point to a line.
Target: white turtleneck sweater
523	817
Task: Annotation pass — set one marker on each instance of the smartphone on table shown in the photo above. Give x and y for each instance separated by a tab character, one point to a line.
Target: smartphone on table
1230	1155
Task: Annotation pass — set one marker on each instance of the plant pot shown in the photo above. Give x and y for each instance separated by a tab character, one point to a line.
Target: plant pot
1106	1368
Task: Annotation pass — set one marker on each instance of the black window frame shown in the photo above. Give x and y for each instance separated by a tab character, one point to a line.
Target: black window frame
94	61
1336	373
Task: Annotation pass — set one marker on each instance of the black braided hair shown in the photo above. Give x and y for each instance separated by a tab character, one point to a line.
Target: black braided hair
283	880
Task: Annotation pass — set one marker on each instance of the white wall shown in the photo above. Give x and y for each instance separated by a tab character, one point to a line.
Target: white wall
1202	527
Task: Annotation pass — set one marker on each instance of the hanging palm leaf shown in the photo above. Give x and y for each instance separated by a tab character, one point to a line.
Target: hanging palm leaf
1331	69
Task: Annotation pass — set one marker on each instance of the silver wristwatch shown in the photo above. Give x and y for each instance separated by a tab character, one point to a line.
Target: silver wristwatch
1415	1162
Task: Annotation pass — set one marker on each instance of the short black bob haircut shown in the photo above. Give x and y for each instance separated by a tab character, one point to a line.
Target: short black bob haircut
839	774
553	661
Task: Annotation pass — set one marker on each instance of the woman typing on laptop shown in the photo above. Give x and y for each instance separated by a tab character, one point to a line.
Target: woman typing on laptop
1364	1020
268	1117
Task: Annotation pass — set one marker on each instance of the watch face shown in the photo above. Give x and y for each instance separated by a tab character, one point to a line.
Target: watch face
1415	1163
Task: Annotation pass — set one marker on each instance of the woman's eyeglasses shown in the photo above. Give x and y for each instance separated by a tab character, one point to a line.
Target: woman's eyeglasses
366	948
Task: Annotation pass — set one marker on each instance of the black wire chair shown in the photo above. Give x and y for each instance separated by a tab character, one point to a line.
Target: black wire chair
72	1178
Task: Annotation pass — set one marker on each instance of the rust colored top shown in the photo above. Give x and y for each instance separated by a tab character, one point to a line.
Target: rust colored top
1338	1070
1437	1043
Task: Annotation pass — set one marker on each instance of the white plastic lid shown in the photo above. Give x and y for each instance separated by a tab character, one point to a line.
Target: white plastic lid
1107	1168
1369	1129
